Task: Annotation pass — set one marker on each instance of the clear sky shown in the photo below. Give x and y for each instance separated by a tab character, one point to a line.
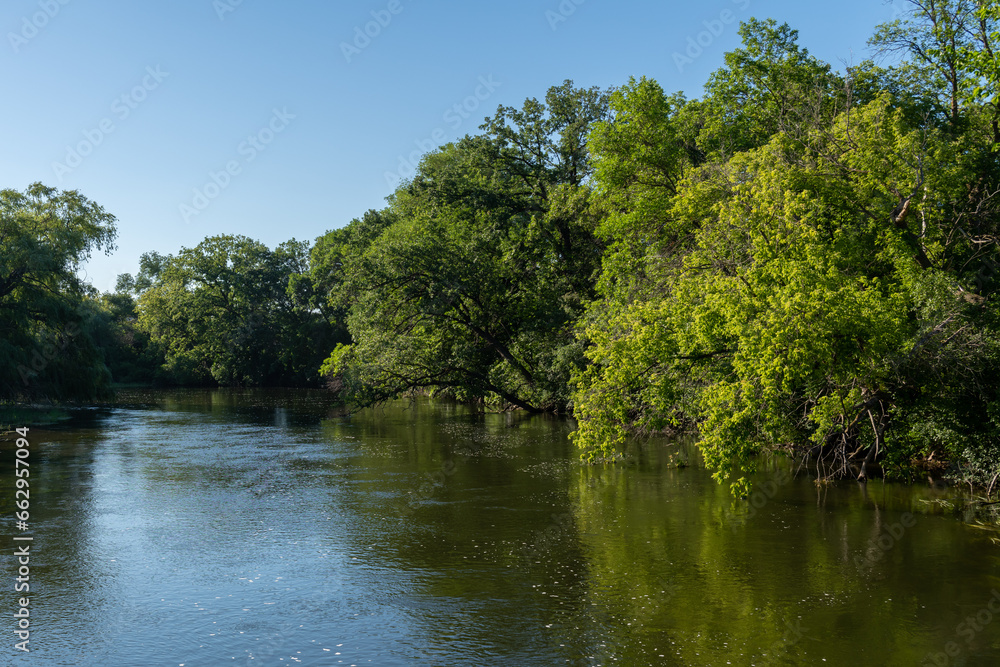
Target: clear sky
192	118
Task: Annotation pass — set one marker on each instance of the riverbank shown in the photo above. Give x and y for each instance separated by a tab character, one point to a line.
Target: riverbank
16	416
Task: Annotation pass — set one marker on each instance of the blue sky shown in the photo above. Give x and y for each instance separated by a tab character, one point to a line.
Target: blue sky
192	118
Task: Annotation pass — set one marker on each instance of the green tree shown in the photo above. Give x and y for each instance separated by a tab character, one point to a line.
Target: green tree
46	349
325	287
953	42
126	349
474	287
768	85
224	312
804	295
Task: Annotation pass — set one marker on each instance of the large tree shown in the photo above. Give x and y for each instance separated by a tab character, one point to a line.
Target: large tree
490	258
224	312
807	293
46	348
769	84
952	43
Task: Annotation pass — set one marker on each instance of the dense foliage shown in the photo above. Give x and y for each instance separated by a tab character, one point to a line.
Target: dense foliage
229	312
814	277
47	341
802	260
474	286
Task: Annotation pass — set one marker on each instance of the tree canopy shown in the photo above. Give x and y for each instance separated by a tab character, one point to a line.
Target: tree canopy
46	347
228	312
474	286
817	291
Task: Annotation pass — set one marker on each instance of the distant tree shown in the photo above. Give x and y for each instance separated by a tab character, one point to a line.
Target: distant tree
126	349
324	288
223	312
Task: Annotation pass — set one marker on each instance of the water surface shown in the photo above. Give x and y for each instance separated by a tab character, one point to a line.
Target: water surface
265	528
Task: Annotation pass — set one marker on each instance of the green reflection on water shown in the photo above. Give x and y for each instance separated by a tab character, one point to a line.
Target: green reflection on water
255	525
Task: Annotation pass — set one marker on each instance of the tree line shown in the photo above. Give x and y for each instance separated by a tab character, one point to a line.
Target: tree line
801	260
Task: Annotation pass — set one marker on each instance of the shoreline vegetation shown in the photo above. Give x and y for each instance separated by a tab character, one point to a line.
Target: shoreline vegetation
801	263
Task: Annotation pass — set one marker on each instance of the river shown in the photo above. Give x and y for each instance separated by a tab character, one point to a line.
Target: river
220	527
